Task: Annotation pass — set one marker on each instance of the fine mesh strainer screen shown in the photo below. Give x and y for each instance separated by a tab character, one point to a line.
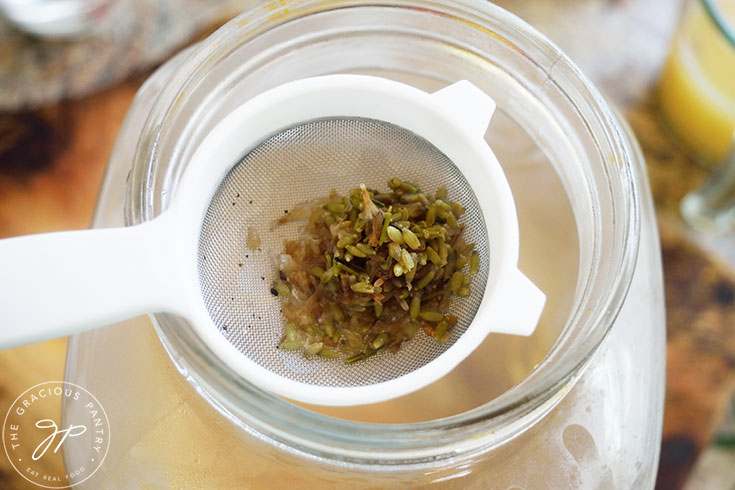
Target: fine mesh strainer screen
300	164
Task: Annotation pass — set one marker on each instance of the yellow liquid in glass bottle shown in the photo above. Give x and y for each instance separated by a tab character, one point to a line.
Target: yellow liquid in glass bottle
697	86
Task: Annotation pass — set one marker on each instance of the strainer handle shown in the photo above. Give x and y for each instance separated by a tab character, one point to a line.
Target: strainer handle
58	284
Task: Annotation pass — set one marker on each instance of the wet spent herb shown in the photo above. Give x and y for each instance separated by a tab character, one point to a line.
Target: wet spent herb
371	269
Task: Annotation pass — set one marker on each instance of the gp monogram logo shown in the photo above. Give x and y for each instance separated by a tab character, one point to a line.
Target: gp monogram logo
36	431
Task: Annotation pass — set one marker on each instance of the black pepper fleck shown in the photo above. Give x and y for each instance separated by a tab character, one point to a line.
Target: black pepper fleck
274	292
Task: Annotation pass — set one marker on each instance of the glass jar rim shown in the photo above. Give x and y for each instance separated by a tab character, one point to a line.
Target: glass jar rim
421	441
718	18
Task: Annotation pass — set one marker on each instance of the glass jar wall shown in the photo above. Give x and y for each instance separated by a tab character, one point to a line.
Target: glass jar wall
576	405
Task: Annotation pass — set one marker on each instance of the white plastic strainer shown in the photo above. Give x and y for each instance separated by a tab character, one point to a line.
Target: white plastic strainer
288	145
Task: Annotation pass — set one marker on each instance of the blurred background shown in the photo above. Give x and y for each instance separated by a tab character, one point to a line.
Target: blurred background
69	70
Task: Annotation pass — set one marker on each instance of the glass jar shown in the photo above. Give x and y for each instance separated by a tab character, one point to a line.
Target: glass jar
576	405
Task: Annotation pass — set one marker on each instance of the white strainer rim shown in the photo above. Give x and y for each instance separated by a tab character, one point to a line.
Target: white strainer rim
454	120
